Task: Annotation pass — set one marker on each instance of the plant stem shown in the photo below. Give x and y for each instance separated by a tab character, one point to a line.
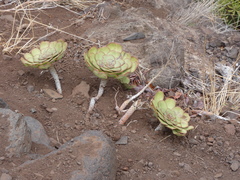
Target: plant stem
56	79
129	112
100	93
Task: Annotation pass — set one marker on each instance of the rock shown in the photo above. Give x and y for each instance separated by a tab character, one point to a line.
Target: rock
89	156
30	88
5	176
176	154
82	88
230	129
232	52
135	36
165	56
21	72
3	104
122	141
218	175
216	42
187	167
52	94
33	110
235	165
15	136
38	133
193	141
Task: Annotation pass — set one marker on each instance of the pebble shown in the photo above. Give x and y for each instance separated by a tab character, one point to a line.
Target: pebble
125	168
218	175
176	154
193	141
232	52
82	88
133	131
135	36
235	165
30	88
21	72
210	139
33	110
122	141
52	94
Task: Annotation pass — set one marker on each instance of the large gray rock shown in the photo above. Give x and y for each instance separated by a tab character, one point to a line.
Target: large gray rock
15	135
90	156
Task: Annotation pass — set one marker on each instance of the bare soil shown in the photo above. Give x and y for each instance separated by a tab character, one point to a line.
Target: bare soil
206	153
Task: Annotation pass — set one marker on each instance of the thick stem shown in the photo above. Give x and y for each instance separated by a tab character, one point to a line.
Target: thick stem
56	79
129	112
100	93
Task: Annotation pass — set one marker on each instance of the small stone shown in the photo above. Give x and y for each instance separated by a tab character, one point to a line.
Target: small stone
133	131
54	109
150	164
82	88
5	176
21	72
2	158
30	88
135	36
210	139
49	110
52	94
235	165
218	175
232	52
181	164
202	138
122	141
130	160
176	154
33	110
230	129
193	141
125	168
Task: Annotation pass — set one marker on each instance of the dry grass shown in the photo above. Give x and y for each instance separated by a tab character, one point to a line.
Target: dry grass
224	90
204	11
22	34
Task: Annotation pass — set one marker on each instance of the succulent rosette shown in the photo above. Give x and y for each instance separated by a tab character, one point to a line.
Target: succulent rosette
170	115
111	61
45	55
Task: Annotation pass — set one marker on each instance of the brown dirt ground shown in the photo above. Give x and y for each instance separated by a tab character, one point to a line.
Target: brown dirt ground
205	153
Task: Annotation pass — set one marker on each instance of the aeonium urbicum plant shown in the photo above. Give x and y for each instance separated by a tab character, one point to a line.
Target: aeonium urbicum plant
170	115
109	61
44	56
